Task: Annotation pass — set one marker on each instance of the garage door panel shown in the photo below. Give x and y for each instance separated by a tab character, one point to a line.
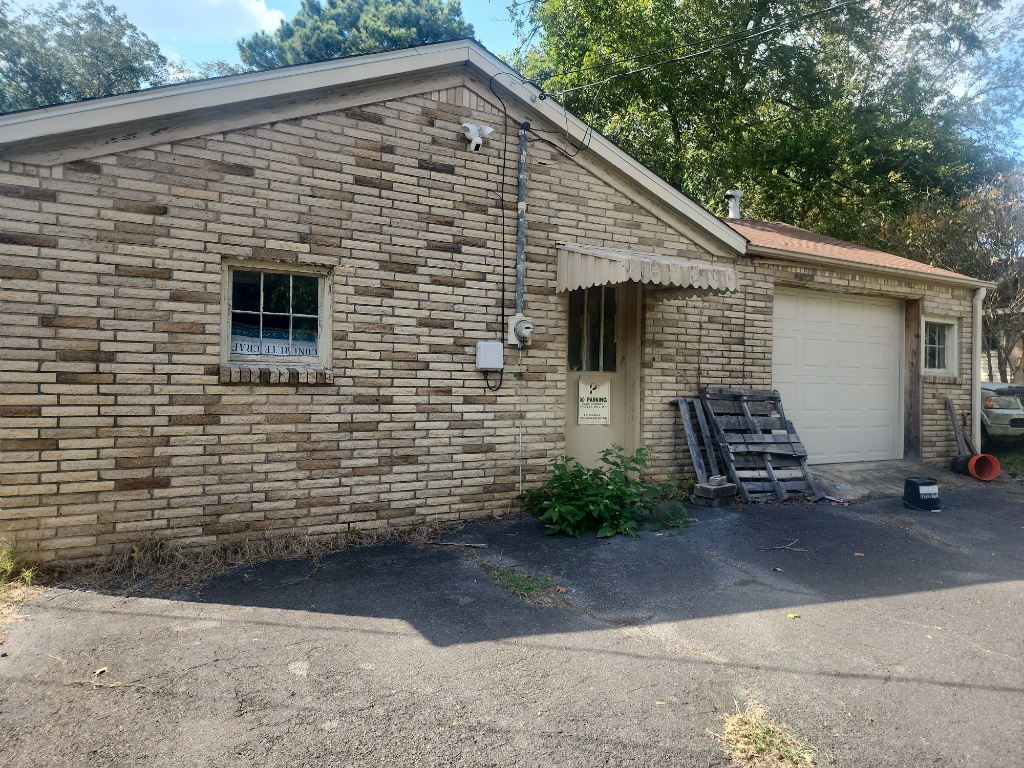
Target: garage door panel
814	398
880	356
786	308
846	399
849	356
837	365
850	314
816	353
817	311
877	440
879	399
785	351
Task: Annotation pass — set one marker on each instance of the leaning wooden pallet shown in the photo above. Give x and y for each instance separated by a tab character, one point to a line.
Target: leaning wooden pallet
758	444
699	438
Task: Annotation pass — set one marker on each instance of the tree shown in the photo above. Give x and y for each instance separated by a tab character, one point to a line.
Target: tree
73	50
839	122
981	236
335	28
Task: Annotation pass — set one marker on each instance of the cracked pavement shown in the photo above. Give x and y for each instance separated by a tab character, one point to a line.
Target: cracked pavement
907	651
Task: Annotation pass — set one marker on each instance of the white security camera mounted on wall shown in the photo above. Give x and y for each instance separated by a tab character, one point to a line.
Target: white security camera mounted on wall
476	134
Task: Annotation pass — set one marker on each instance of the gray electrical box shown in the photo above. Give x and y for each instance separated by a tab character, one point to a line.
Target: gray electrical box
490	356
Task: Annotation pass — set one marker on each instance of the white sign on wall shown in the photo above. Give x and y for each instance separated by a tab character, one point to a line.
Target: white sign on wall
594	405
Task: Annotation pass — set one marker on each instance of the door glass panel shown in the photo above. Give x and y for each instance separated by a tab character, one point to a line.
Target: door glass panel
592	358
576	303
608	350
592	329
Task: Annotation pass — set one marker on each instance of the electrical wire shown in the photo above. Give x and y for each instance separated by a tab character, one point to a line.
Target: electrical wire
731	40
487	380
501	191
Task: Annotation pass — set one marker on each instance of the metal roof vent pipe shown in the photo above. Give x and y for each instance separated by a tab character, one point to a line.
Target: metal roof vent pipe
733	196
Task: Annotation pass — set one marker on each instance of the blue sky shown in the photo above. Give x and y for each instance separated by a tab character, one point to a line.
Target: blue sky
191	31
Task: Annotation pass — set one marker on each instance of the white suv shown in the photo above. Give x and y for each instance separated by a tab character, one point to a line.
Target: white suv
1002	411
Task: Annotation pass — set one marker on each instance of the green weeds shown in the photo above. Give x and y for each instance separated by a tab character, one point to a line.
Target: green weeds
609	499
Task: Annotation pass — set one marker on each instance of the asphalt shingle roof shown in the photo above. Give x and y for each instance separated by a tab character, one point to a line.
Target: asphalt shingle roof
774	234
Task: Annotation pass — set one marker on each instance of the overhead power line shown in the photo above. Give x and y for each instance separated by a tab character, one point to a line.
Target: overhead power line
727	40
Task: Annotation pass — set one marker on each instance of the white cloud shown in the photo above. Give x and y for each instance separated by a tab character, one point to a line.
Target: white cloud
198	30
267	18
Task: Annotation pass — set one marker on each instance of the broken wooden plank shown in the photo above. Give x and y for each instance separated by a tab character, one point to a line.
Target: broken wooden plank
779	490
706	436
691	439
961	442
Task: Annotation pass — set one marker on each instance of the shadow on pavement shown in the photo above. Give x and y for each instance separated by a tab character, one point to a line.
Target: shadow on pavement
730	560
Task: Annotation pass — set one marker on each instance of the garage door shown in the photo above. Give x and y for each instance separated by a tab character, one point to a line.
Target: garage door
836	362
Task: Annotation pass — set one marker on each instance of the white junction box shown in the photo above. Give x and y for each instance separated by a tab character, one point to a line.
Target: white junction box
490	356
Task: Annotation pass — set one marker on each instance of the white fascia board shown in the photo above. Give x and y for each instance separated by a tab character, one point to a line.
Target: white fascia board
225	91
782	254
237	89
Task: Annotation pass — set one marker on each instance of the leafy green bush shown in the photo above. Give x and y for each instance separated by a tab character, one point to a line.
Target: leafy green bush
610	499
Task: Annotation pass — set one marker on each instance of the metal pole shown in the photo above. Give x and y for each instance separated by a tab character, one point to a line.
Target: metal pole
521	221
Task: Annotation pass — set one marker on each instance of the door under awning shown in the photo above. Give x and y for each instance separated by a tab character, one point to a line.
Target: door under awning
581	266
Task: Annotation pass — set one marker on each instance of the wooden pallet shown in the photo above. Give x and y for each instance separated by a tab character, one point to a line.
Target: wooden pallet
699	438
759	446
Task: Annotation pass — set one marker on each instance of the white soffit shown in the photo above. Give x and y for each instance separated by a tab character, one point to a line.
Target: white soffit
581	266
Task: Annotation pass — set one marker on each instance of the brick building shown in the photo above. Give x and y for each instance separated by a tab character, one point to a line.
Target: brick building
251	305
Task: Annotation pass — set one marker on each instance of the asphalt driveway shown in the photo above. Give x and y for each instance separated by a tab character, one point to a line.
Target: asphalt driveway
907	650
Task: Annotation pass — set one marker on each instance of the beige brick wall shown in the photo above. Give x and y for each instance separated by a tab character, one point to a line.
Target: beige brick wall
117	422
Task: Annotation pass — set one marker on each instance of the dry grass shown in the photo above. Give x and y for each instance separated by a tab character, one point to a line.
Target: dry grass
751	739
158	568
15	585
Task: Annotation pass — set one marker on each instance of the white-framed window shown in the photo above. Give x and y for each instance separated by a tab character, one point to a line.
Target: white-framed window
273	314
939	347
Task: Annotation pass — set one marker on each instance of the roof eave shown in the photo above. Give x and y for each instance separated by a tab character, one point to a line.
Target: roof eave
784	254
225	91
257	86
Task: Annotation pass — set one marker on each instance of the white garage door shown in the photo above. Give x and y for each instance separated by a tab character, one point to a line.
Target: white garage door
836	362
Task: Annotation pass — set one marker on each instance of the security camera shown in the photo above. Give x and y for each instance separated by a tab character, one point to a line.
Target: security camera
476	135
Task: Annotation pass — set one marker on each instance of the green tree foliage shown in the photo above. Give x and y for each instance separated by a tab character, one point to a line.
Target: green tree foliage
982	235
839	123
73	50
328	30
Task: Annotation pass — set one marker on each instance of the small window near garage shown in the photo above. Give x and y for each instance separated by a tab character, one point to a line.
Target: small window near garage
940	348
592	318
276	316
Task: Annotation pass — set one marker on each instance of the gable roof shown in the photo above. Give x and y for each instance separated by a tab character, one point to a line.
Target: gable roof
50	126
784	241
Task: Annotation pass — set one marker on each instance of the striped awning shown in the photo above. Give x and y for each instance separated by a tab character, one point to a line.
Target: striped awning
581	266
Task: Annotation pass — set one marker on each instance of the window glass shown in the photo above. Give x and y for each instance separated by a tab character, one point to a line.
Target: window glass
276	292
592	360
274	314
936	346
304	295
245	291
